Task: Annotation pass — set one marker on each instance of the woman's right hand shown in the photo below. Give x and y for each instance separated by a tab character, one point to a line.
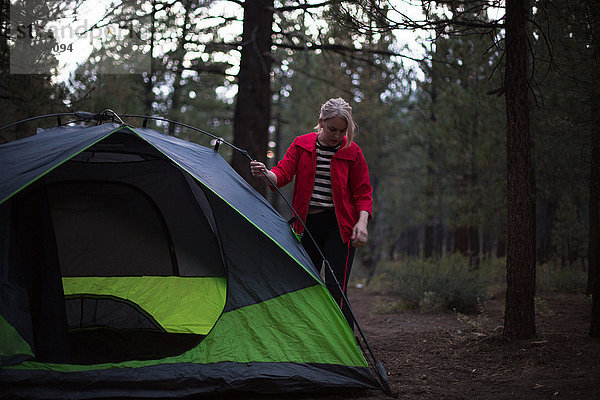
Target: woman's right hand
257	168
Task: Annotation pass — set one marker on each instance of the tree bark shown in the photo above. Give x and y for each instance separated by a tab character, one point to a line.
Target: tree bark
594	199
474	248
428	241
253	103
369	258
519	317
594	234
593	285
149	84
428	245
461	240
179	55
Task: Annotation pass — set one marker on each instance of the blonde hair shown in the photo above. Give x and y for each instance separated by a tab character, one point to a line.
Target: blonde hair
339	108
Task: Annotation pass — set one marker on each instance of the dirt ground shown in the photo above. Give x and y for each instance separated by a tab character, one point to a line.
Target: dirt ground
436	356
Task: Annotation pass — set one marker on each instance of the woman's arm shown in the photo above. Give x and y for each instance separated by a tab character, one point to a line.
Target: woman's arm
359	231
360	185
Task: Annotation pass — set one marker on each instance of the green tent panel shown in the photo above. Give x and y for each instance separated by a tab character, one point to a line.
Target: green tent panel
11	344
198	300
260	324
135	264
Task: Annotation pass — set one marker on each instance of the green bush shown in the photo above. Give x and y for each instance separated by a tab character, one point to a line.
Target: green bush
554	278
430	285
449	283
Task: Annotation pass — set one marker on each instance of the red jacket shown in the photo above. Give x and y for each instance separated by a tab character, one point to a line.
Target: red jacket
350	183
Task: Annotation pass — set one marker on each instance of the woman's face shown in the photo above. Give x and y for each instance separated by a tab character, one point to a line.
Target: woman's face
332	130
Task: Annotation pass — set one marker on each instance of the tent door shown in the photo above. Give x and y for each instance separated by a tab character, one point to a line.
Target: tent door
34	266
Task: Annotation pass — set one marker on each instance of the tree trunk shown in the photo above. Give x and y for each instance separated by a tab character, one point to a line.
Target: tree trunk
275	199
253	105
149	84
594	199
428	245
486	245
461	240
546	251
593	285
175	109
501	247
428	241
474	248
519	317
369	258
594	235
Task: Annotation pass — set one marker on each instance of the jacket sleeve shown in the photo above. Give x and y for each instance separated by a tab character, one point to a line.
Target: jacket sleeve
287	167
360	185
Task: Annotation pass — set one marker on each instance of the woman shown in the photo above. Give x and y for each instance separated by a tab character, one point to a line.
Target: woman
332	192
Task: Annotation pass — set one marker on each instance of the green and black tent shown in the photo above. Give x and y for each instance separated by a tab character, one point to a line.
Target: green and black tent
135	264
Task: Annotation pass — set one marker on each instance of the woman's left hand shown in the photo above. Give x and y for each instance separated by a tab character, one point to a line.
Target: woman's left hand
359	232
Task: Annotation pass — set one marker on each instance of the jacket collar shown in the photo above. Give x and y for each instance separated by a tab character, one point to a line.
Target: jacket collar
309	142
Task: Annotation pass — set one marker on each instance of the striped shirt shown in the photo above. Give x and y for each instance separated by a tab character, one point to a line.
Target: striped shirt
322	196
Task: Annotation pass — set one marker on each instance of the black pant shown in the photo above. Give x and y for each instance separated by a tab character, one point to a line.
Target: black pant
325	230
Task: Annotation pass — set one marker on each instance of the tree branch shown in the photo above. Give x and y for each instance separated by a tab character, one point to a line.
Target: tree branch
303	6
384	23
344	49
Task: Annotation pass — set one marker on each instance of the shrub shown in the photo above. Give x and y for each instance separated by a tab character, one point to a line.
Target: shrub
478	326
554	278
448	283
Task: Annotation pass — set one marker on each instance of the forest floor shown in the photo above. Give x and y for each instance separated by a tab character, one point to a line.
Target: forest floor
439	355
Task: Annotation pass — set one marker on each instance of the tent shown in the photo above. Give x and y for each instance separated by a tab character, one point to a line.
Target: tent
135	264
